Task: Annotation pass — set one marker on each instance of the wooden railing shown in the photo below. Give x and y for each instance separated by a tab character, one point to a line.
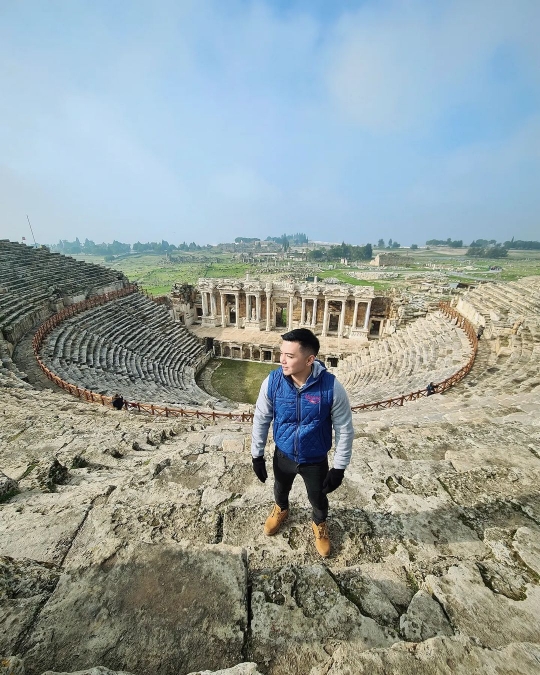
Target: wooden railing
165	411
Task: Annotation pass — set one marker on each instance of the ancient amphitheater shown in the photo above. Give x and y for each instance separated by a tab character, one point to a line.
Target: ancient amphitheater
133	543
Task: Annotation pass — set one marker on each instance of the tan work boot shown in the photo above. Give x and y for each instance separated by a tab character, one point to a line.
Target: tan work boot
322	539
274	520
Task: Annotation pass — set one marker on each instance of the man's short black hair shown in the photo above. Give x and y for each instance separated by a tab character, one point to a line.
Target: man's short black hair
309	342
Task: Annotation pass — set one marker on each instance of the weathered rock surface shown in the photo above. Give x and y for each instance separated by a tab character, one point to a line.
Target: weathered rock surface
8	487
240	669
24	587
424	619
98	670
11	665
437	656
475	610
145	611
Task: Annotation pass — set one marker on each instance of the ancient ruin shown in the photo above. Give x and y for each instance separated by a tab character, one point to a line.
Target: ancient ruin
132	543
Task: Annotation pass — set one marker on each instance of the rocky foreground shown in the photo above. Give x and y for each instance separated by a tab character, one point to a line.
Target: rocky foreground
132	545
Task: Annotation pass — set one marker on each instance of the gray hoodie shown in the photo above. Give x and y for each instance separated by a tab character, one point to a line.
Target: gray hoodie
341	422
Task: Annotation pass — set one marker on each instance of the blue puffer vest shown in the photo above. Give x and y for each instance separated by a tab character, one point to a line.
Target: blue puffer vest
302	419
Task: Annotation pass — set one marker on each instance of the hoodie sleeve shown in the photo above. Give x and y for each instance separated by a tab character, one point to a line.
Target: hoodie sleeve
264	413
343	427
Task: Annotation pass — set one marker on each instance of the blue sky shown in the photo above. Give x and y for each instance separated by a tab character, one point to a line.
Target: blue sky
209	119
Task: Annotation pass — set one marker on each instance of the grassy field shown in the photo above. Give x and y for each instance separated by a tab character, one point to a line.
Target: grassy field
240	380
157	274
343	275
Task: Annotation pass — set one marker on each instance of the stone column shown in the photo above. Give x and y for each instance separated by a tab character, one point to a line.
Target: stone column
248	306
213	303
314	317
289	318
204	298
237	308
355	315
341	319
268	308
223	317
303	313
258	306
366	320
325	318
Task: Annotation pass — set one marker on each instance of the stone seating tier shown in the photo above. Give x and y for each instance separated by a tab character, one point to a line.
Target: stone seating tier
130	346
429	349
503	301
34	282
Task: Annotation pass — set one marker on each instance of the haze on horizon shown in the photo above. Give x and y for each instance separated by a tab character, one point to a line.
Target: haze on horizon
205	120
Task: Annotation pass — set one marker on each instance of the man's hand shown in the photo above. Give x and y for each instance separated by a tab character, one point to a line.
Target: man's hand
259	466
333	480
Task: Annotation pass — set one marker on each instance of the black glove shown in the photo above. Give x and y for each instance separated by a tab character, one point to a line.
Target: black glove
333	480
259	466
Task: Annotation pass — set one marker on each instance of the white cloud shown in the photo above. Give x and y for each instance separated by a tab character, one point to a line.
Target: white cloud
395	68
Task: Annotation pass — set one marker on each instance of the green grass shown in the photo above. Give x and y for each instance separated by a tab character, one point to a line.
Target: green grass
347	279
240	380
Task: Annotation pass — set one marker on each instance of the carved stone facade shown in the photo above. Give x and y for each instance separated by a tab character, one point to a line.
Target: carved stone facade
339	310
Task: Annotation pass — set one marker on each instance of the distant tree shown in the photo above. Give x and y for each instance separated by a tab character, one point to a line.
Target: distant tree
457	243
495	251
395	244
523	245
390	243
315	254
414	247
380	243
368	252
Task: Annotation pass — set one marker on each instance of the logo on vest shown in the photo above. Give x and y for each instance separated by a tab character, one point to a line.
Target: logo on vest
313	399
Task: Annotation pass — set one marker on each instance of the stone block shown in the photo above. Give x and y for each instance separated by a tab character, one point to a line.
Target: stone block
165	609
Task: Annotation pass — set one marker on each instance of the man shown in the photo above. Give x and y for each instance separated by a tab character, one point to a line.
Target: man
117	402
304	401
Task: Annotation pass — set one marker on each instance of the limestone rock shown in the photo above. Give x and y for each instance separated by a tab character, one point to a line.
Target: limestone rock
475	610
11	665
51	474
297	611
144	611
527	546
240	669
8	487
42	526
97	670
437	656
24	586
424	619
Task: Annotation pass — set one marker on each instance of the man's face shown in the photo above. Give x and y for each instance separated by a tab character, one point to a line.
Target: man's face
294	361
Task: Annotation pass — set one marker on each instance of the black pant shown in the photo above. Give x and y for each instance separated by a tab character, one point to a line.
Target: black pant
285	471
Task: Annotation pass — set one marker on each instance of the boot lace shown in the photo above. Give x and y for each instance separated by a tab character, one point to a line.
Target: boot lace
323	531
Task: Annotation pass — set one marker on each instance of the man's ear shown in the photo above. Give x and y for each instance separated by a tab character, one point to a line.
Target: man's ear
311	359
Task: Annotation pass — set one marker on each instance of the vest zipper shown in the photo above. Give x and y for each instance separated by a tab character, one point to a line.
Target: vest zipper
298	395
